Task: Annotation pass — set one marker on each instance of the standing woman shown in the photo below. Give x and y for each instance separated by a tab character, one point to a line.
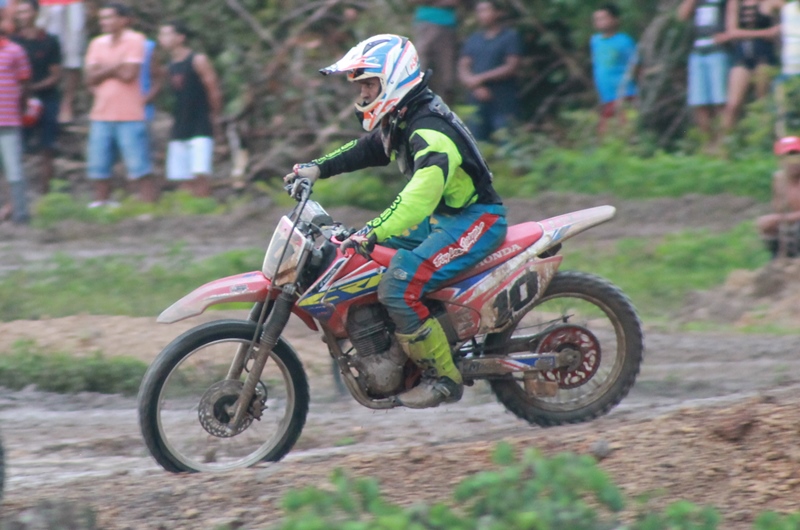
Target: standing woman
752	26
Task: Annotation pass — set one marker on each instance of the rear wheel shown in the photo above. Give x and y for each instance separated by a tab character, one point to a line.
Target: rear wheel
186	402
597	324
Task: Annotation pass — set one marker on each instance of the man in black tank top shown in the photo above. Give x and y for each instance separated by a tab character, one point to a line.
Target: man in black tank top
196	109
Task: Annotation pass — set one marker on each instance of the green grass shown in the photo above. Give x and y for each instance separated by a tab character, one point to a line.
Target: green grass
28	364
115	285
611	168
58	206
657	275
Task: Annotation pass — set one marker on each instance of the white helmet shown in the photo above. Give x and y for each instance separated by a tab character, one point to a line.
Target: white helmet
390	58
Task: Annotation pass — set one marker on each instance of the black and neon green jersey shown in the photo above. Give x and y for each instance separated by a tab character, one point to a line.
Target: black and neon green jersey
445	170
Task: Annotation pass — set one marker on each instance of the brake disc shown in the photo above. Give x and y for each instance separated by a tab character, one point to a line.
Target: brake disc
580	347
217	407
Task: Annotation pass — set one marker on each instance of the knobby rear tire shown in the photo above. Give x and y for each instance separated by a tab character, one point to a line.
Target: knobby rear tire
620	311
158	372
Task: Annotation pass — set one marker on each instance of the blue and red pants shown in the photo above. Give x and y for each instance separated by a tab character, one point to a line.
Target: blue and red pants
433	252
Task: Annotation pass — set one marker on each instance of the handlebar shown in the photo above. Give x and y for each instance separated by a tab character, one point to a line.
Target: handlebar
299	189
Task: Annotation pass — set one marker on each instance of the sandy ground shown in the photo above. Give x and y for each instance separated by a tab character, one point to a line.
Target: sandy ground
712	417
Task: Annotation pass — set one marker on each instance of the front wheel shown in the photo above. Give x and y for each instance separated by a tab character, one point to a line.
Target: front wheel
185	402
593	320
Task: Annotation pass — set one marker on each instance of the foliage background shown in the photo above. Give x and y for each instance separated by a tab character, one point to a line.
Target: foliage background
268	54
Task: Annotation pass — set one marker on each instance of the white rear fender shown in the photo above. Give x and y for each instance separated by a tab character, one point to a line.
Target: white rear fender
247	287
563	227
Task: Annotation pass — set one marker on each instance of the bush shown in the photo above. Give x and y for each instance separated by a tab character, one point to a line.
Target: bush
28	364
534	492
566	491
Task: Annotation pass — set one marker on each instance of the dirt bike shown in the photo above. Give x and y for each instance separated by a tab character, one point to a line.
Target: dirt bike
555	347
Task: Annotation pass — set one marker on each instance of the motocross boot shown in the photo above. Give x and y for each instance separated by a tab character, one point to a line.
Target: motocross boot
441	381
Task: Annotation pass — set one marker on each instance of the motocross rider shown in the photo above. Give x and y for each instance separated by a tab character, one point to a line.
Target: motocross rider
446	219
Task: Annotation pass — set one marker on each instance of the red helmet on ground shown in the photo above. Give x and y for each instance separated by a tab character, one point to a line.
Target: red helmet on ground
788	145
33	112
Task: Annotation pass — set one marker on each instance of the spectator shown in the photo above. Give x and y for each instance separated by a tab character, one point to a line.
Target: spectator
752	26
44	54
787	86
197	109
7	16
151	75
709	63
113	64
781	229
613	61
436	40
488	66
15	71
150	79
66	20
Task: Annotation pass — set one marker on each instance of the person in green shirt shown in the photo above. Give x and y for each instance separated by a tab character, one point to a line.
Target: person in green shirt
446	219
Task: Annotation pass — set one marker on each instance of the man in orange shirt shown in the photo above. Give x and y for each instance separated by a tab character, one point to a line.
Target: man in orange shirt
66	20
113	63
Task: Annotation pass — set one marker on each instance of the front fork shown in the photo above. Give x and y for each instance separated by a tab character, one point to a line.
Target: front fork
270	334
237	366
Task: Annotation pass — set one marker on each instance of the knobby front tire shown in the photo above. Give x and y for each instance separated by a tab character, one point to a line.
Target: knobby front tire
178	380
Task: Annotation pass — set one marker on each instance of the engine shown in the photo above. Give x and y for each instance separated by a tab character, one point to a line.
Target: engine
379	359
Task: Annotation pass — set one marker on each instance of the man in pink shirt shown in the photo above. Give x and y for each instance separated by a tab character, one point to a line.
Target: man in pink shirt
113	62
66	20
15	71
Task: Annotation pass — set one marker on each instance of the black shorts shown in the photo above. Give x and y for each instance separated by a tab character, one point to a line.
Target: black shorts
754	52
44	134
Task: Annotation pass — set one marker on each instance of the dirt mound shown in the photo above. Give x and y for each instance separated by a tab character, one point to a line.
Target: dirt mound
769	296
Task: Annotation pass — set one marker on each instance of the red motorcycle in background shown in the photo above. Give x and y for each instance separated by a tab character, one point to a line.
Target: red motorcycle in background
555	347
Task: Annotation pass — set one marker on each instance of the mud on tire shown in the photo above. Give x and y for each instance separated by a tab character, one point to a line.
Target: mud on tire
620	312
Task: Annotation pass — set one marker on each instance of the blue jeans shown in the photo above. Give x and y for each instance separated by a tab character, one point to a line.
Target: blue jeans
11	152
435	251
132	141
488	118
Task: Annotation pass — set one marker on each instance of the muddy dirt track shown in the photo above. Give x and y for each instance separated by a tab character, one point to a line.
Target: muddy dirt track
712	417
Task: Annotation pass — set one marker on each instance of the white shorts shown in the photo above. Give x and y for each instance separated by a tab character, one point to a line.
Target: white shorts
187	158
67	22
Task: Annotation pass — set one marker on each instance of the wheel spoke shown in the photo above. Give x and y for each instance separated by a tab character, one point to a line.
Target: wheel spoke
590	321
195	405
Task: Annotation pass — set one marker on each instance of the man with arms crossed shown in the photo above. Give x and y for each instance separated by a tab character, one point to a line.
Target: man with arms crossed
113	62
